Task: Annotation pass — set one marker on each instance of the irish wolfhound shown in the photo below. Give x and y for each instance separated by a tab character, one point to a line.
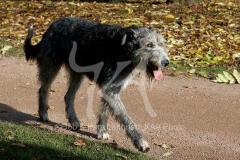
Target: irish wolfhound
97	43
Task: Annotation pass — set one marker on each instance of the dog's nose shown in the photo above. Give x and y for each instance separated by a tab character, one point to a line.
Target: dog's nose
165	62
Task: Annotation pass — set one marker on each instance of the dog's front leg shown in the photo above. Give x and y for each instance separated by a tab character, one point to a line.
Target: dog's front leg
102	122
118	109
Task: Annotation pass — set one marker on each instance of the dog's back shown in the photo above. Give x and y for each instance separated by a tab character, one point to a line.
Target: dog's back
93	39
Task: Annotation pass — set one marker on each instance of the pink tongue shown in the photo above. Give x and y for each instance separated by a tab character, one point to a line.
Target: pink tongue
158	74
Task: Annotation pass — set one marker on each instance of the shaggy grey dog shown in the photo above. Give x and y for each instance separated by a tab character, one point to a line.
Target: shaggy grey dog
97	43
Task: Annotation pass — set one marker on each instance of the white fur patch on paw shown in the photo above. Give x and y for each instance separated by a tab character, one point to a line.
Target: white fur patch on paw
104	136
144	147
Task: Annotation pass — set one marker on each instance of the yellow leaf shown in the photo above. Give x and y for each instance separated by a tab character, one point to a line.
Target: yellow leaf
36	114
203	74
238	41
170	16
130	11
103	21
54	90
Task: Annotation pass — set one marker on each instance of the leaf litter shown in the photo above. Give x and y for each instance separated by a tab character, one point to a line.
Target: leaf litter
204	35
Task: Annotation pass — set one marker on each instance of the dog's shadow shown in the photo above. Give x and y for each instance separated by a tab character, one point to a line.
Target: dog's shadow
7	113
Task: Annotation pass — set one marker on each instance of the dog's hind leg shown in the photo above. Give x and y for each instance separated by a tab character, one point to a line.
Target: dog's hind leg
111	95
47	73
102	122
74	84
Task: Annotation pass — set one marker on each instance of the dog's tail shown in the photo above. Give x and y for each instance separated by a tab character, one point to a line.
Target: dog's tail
30	50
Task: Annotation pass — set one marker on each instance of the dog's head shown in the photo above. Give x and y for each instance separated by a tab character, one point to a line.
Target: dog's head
148	47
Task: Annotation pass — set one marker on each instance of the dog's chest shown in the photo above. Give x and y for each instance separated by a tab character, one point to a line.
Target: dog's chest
136	71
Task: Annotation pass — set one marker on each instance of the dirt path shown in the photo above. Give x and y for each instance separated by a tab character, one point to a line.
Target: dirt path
200	119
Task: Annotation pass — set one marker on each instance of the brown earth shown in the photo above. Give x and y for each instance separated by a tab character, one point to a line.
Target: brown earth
198	118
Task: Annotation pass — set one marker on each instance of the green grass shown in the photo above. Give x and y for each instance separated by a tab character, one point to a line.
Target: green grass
46	144
209	72
4	41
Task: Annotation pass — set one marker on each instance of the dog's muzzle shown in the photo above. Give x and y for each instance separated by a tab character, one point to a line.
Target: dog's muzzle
165	62
155	70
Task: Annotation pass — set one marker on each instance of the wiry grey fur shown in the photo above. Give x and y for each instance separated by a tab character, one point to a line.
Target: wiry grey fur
96	43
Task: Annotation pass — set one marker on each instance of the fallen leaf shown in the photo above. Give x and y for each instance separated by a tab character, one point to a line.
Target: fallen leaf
188	87
229	77
99	149
169	16
19	145
223	78
164	145
54	90
36	114
5	48
79	142
51	107
169	153
87	126
103	20
12	138
122	156
192	71
236	74
203	74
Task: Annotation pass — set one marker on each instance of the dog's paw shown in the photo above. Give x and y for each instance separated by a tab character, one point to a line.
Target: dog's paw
103	136
142	146
44	117
75	125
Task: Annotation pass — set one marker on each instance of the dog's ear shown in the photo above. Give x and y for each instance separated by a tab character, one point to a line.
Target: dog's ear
124	39
130	36
135	32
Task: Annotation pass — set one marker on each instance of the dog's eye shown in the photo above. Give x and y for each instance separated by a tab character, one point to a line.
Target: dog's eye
150	45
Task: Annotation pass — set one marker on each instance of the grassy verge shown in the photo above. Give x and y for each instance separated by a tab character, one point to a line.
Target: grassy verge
206	72
27	142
